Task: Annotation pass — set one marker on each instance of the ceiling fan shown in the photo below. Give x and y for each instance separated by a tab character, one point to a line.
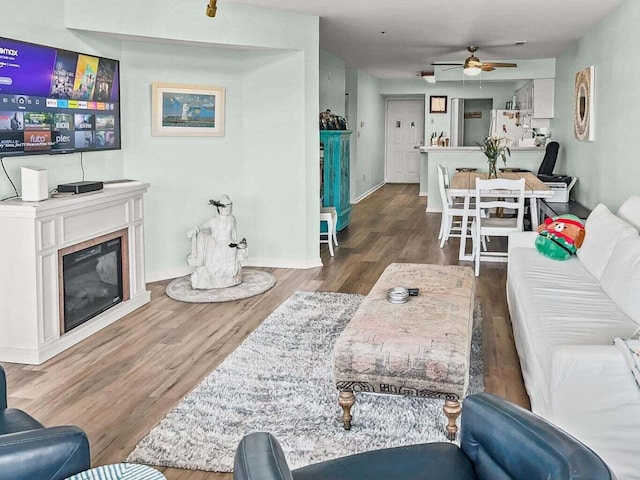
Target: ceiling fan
472	65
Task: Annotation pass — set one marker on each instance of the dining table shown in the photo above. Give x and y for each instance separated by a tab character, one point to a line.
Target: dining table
463	185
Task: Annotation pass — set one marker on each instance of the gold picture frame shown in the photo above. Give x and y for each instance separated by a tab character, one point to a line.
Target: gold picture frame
583	105
181	110
437	104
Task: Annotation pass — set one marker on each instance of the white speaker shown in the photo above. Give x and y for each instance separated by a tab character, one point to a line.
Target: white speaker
35	185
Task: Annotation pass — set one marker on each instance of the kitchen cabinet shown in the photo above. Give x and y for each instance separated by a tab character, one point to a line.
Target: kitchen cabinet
536	98
335	174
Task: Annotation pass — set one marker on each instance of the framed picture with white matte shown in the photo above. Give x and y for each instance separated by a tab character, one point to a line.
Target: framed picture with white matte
179	110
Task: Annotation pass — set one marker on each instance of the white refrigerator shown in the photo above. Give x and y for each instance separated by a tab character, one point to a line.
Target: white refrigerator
507	124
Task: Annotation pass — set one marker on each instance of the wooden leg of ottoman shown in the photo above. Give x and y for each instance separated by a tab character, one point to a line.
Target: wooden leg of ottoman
346	399
452	409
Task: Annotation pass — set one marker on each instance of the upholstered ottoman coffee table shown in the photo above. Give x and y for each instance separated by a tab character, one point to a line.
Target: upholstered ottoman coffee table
420	348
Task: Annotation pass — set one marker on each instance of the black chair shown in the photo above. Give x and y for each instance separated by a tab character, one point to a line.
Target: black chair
29	451
499	441
545	172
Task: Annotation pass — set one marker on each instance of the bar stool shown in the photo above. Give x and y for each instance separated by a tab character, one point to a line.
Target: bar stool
329	215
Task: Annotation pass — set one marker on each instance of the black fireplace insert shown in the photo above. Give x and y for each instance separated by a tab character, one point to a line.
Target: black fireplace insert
92	281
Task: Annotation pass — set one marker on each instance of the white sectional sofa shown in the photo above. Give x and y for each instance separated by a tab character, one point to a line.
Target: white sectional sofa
565	315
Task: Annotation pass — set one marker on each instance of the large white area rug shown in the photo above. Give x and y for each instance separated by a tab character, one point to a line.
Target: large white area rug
280	380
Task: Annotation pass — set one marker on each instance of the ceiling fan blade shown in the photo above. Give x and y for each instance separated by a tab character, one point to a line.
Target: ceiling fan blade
452	68
441	64
498	64
487	68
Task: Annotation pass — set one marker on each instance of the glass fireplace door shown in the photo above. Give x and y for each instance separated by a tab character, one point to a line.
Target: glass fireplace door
92	281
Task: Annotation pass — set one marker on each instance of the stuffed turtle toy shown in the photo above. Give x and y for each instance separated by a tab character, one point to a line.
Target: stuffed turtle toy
559	237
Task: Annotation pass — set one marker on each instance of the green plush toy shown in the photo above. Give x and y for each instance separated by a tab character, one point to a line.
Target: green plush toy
560	236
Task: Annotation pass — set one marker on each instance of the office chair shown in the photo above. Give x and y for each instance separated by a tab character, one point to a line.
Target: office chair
545	172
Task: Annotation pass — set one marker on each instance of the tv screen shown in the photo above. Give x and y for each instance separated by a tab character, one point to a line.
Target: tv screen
56	101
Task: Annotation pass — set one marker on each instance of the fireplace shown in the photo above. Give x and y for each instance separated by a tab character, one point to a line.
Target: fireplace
32	290
93	278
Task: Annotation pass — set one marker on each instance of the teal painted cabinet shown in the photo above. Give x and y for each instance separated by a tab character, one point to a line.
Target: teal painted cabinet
335	175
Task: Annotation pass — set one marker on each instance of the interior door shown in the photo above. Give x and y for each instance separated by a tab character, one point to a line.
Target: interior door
405	135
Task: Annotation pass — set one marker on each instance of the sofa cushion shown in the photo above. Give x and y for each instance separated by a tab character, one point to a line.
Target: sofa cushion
621	277
602	231
630	211
556	303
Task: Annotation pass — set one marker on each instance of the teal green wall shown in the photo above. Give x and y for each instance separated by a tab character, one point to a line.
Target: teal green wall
607	168
268	160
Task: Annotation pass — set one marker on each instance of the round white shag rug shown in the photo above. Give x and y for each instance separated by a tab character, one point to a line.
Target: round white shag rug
254	282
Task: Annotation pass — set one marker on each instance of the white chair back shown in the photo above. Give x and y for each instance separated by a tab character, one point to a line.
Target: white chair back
497	195
501	193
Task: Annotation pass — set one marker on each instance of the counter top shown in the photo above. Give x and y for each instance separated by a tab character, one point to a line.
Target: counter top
474	149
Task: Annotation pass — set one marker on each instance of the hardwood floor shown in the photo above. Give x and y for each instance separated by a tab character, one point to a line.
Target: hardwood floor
119	383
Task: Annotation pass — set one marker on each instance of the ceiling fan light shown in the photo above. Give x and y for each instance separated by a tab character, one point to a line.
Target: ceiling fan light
472	71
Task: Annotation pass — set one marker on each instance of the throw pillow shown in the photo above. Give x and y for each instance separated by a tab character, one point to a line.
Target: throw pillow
559	237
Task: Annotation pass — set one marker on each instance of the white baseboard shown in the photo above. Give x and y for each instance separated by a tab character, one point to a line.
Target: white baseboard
283	263
168	274
434	210
367	193
250	262
422	194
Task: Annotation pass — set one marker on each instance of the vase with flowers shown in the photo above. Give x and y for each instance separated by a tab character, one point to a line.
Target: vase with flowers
495	147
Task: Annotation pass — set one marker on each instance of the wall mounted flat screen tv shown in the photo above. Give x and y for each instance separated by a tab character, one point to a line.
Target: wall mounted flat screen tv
56	101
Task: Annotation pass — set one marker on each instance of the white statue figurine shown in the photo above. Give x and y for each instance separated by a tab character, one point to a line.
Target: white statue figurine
215	252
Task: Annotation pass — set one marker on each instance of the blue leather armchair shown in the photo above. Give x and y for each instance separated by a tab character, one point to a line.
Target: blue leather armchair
499	441
29	451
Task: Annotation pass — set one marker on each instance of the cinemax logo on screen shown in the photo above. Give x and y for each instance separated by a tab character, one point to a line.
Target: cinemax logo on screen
8	51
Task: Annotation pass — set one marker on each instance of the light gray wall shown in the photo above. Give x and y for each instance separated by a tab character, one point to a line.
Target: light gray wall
607	168
476	129
369	133
332	83
499	92
352	116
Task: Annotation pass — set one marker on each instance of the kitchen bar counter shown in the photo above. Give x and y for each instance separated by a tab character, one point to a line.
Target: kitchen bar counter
473	149
456	157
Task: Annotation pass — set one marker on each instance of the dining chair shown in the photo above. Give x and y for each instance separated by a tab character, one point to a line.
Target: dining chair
490	195
451	208
449	226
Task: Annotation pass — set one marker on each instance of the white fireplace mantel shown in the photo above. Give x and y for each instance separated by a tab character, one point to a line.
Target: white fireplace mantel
31	234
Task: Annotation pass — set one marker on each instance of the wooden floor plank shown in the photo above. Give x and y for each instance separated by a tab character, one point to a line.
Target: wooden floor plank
120	382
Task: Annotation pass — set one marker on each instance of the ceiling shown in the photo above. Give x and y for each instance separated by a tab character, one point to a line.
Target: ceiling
419	32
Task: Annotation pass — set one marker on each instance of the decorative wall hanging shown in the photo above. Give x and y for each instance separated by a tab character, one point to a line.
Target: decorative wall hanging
187	110
437	104
583	104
